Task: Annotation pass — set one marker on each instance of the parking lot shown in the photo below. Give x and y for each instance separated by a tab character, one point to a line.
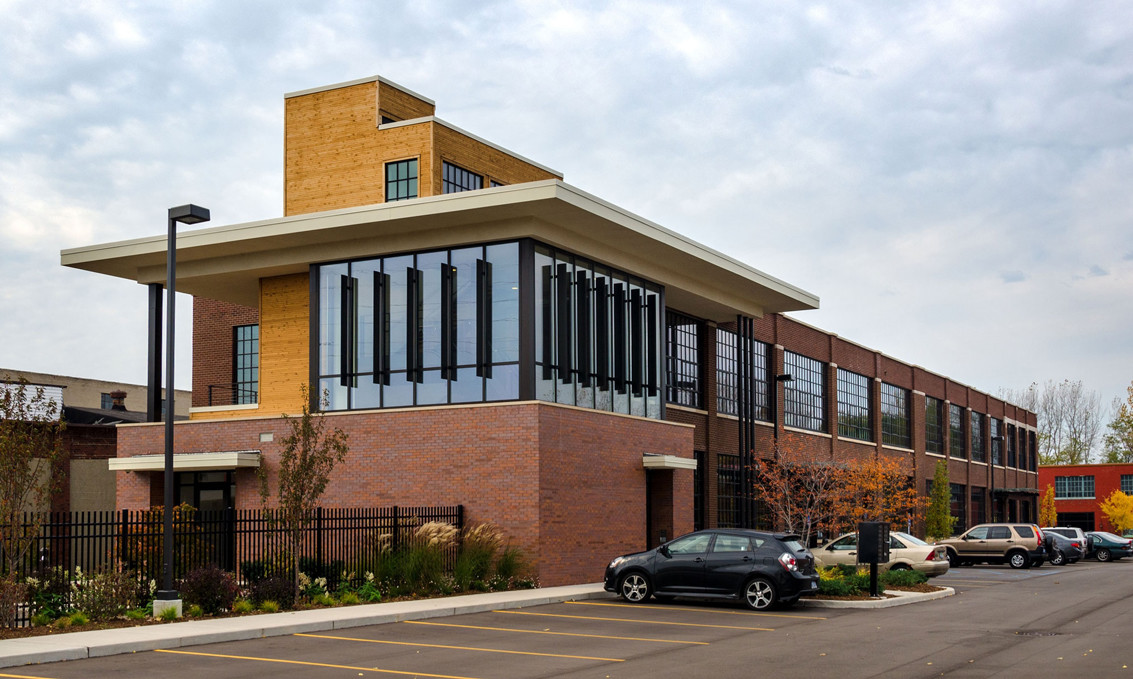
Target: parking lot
1000	623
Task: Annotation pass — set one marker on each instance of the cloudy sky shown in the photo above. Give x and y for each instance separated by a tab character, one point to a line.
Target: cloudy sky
952	179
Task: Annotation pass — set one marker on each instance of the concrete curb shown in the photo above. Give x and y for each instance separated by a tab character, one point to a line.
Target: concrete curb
98	643
898	598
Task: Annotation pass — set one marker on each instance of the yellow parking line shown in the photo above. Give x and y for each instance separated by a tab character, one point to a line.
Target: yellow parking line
648	622
561	634
982	582
309	664
655	607
459	648
22	676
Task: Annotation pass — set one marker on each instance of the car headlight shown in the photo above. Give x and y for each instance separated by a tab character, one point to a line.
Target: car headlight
616	562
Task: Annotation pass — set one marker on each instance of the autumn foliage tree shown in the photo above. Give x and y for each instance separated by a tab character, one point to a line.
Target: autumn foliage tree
877	489
1118	508
307	457
1048	514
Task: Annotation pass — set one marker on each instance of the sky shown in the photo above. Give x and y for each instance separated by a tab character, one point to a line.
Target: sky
954	180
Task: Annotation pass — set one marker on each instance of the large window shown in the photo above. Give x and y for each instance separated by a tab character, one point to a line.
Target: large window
401	180
245	364
1127	484
979	447
804	404
728	375
727	491
958	505
996	435
456	179
933	425
853	406
957	442
979	505
682	360
598	336
420	329
896	428
1011	461
1074	487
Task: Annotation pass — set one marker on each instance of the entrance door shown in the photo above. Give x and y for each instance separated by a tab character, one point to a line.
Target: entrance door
212	493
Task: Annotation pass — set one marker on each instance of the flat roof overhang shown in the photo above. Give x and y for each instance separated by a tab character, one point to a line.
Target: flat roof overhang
221	461
227	262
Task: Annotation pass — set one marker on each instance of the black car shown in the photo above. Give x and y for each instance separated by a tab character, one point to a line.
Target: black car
1062	550
757	568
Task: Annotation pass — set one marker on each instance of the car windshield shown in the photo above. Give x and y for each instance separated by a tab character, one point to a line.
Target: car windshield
911	539
1109	536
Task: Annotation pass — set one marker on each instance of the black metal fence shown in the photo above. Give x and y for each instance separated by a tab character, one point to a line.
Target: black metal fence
348	538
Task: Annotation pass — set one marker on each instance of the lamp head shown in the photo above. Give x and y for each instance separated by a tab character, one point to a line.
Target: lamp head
189	214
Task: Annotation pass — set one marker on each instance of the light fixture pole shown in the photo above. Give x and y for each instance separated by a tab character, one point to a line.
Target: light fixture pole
185	214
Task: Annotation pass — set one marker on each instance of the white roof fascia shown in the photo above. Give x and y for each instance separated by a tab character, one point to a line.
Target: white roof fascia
359	81
240	459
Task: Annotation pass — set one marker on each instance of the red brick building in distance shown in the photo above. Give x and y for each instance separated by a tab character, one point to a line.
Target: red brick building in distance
491	336
1079	490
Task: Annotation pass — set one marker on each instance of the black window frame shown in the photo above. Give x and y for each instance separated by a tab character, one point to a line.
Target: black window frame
934	425
855	411
727	375
804	396
402	185
957	441
683	360
245	364
457	179
896	416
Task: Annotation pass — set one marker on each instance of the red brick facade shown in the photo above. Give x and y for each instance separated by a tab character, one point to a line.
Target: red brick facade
1085	513
565	484
213	322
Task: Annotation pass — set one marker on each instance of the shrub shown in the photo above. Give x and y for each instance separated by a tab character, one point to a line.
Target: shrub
169	614
243	606
48	593
423	560
270	606
511	564
477	551
105	594
195	611
210	588
136	614
276	589
845	581
369	592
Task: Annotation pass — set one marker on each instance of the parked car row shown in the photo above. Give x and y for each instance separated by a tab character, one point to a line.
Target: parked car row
1023	545
762	569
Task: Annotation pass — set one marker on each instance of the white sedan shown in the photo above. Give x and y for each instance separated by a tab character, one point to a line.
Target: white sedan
905	551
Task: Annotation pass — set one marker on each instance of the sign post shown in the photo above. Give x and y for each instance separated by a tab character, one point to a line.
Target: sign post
873	548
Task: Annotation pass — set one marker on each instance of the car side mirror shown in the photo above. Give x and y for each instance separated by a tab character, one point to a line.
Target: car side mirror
965	538
664	551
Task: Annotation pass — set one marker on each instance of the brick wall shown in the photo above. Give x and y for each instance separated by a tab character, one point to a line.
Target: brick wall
213	321
564	484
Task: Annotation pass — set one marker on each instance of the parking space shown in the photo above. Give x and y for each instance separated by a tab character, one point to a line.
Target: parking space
975	577
550	640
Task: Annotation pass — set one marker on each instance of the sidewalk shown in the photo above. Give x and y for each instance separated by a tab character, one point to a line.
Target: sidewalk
78	645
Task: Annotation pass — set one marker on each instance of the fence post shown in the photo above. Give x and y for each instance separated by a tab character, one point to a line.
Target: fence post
396	529
319	536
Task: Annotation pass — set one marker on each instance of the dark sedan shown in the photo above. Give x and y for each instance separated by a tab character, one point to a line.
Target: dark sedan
754	567
1062	550
1108	547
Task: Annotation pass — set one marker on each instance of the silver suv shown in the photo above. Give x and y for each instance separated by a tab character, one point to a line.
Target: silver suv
1073	534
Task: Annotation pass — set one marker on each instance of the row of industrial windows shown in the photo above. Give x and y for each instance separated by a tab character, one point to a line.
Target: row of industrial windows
1076	487
402	179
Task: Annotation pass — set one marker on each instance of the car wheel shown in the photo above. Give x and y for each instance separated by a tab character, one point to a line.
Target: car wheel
1057	558
1018	560
634	588
954	560
900	567
759	594
1104	555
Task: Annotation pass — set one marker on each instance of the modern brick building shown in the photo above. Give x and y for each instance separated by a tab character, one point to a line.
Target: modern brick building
1079	490
491	336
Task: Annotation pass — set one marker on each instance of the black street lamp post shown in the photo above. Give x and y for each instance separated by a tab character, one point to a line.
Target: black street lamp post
185	214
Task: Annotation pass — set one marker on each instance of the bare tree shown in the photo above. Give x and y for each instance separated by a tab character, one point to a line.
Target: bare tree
1119	439
1070	419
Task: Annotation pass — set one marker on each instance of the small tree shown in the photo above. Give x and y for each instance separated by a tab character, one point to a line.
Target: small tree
939	520
877	489
307	457
1118	508
797	487
1048	514
30	448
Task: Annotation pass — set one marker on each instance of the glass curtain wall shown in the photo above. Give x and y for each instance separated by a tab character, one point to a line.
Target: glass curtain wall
598	336
420	329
